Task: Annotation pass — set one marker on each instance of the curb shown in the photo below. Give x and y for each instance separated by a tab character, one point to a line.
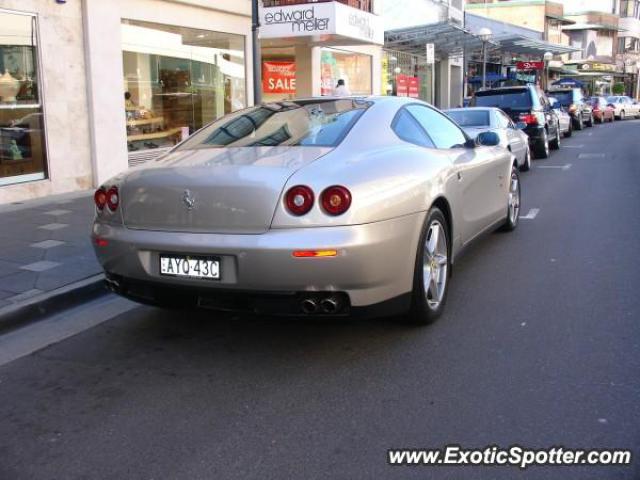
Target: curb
47	303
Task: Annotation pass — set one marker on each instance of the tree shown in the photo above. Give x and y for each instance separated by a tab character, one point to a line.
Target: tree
618	88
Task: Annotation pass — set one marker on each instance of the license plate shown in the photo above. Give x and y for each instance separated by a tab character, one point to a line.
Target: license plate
190	266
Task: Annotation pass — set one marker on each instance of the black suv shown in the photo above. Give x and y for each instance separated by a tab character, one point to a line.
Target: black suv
528	106
576	104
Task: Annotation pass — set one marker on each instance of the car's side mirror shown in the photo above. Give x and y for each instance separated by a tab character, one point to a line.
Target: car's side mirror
488	139
521	125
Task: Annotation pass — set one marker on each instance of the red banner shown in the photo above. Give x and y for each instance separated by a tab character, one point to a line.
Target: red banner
523	66
279	77
413	87
407	86
402	86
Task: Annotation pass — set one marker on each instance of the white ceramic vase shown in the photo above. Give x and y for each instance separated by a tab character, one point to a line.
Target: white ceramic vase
9	87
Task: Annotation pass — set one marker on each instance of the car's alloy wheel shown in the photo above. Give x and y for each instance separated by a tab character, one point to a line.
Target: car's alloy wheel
431	275
590	122
579	125
513	209
622	115
542	146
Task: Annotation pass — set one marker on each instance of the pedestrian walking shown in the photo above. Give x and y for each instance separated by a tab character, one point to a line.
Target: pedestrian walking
341	89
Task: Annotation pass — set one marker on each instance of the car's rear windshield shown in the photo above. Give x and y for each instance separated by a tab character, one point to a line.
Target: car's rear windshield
504	99
470	118
564	97
322	123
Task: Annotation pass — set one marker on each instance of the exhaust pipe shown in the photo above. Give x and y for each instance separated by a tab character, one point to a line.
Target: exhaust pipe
330	305
309	305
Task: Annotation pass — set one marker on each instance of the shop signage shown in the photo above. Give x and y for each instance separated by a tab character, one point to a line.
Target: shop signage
526	66
321	19
407	86
279	77
430	53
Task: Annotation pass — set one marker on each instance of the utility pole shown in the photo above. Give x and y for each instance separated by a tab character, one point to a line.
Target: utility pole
257	67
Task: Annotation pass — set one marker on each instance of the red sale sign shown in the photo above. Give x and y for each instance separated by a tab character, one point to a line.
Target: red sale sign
413	87
407	86
279	77
523	66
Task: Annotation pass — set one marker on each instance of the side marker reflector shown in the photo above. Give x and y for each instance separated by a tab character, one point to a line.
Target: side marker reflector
314	253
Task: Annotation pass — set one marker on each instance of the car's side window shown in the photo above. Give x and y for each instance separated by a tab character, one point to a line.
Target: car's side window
443	132
409	130
504	121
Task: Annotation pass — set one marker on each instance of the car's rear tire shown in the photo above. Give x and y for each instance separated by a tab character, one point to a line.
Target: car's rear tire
541	148
432	260
526	165
555	143
513	205
590	122
622	115
579	124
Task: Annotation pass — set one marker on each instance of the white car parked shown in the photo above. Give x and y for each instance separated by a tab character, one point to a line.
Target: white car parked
624	107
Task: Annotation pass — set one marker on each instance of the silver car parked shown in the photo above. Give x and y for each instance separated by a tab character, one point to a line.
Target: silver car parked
322	206
475	120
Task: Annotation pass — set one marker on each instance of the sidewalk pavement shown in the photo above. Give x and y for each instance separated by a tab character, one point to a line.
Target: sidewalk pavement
45	245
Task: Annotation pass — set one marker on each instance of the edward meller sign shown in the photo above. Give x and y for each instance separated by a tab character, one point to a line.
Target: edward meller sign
321	19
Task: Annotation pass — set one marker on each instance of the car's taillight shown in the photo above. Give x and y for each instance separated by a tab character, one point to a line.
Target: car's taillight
100	198
336	200
299	199
529	118
113	198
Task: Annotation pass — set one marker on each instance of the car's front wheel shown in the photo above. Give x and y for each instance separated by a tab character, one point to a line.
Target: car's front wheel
622	115
579	124
555	143
590	121
542	146
513	206
526	165
432	268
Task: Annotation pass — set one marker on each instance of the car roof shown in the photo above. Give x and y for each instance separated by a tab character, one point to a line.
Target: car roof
464	109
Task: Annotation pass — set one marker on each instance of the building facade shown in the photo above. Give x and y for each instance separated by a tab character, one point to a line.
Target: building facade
90	87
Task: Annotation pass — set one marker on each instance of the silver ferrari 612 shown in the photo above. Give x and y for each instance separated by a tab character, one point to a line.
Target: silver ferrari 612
323	206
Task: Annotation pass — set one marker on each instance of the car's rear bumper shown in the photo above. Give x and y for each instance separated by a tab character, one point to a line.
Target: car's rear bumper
374	262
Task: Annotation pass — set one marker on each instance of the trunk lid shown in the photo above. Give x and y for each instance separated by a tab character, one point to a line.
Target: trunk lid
212	190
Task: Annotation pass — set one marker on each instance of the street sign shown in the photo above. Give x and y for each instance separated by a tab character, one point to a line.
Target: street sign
430	53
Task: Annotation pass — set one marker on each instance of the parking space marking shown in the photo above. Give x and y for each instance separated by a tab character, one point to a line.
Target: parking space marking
561	167
533	213
591	155
572	146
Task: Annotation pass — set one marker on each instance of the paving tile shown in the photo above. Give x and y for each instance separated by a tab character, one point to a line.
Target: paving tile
72	272
53	226
8	268
20	254
57	212
18	282
40	266
46	244
24	295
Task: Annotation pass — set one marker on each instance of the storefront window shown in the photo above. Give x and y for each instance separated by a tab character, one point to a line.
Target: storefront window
22	141
177	80
353	68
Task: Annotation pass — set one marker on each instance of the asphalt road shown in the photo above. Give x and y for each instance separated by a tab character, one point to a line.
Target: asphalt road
540	346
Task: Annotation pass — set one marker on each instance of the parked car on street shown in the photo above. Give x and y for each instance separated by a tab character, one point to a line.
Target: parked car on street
624	106
564	119
603	111
576	105
527	104
475	120
323	206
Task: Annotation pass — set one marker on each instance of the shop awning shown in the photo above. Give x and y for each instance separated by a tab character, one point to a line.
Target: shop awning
569	82
448	39
526	45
